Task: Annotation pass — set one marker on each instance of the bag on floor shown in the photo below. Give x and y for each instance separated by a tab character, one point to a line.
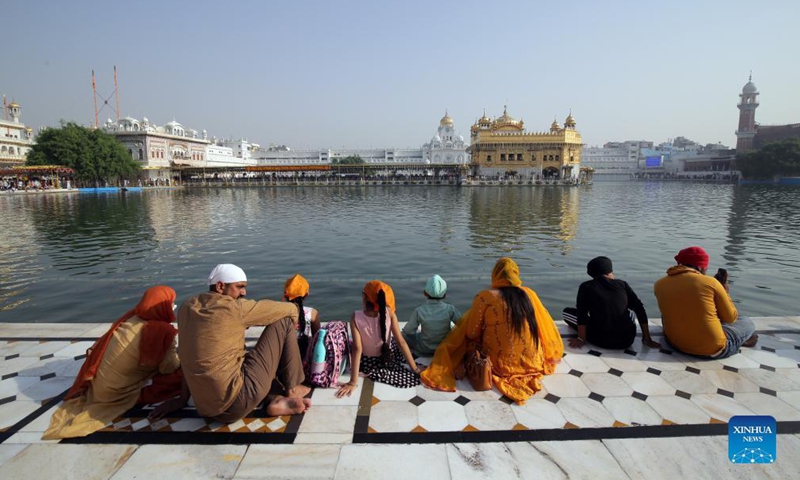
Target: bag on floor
328	355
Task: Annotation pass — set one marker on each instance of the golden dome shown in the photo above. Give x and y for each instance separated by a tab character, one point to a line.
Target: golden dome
484	120
446	121
570	121
555	126
13	105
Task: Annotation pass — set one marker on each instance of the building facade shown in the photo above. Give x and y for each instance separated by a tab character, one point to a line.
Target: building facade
502	146
614	160
446	147
16	139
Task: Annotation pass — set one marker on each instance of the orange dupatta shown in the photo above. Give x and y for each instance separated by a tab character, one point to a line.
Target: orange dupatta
157	335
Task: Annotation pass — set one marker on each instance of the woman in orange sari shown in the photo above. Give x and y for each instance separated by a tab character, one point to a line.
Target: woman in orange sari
509	324
139	346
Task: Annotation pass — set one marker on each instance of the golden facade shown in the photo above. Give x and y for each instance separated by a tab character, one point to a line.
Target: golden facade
502	145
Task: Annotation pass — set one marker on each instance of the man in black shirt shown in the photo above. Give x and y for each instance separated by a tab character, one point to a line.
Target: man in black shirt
607	309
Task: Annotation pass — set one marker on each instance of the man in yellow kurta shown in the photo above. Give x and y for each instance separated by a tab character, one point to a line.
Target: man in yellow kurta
697	313
519	358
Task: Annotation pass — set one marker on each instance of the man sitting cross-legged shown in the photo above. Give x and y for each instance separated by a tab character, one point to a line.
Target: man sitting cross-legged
226	382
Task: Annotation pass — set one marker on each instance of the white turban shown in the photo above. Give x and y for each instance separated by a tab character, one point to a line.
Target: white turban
226	273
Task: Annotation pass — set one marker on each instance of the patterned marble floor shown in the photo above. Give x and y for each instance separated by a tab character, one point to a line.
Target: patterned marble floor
602	414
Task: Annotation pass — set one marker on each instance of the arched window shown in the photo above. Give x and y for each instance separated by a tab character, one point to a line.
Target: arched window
130	151
141	154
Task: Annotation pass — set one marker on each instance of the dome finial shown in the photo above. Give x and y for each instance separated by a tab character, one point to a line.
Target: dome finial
751	76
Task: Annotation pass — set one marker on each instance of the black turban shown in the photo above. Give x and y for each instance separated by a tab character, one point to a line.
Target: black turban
599	266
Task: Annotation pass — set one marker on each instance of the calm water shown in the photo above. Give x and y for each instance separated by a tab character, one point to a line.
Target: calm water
88	258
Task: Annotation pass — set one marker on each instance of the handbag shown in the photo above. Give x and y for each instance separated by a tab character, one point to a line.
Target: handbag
479	370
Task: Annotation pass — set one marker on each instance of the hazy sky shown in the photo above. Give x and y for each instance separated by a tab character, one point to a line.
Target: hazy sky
381	74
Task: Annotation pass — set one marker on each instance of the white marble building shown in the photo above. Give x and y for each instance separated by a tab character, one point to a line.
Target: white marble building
16	139
446	147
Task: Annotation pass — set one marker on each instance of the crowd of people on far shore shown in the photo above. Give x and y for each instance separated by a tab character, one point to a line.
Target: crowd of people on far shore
138	361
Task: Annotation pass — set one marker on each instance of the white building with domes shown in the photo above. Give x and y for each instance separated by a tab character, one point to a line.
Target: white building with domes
446	147
16	139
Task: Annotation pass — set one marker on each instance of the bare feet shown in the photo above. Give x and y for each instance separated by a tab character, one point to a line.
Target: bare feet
287	406
751	342
298	391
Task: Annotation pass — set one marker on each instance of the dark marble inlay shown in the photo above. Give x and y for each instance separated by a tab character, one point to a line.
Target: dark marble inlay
614	371
640	396
654	371
767	368
693	370
461	400
575	373
13	356
768	391
725	393
417	400
552	398
683	394
595	353
596	397
730	369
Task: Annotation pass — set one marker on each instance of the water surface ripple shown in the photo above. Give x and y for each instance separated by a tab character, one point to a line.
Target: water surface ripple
87	257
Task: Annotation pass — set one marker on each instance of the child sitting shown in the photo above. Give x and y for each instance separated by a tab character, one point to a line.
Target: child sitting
378	346
296	290
434	318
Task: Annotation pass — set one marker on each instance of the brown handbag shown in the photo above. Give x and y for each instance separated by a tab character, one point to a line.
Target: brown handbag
479	370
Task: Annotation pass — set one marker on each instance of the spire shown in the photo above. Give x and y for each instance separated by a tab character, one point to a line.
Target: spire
751	76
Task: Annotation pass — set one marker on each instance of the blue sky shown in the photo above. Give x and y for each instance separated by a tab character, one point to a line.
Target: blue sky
381	74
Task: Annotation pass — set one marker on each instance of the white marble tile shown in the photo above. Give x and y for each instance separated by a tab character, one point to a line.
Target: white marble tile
647	459
182	462
738	361
327	396
768	358
490	415
7	452
28	438
188	425
703	364
678	410
688	382
16	364
624	362
583	362
61	366
792	398
390	462
67	330
730	381
631	411
719	406
585	412
75	349
763	404
483	460
783	379
98	330
46	389
329	419
464	388
13	412
793	355
777	341
36	349
435	395
324	438
442	416
40	423
647	383
562	385
289	461
15	385
776	323
562	367
663	361
97	462
539	414
389	416
574	460
383	392
606	384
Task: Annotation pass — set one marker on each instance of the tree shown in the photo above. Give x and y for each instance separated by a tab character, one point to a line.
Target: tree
93	154
351	160
777	158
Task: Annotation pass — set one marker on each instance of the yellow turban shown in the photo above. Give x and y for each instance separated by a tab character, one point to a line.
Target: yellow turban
505	274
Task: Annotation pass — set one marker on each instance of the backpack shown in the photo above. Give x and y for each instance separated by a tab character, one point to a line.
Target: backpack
328	355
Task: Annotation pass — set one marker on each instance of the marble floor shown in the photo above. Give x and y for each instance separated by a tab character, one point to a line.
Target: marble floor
603	414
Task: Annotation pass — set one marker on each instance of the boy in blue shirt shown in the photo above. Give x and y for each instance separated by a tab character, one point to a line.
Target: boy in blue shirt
434	319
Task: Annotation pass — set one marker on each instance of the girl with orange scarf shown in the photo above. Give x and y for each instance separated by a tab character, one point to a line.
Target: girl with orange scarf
509	324
139	346
378	346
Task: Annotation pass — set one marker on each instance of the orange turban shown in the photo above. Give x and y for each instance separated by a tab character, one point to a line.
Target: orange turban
295	287
505	274
371	290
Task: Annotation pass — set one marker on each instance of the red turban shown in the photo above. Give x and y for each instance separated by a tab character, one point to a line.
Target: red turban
693	256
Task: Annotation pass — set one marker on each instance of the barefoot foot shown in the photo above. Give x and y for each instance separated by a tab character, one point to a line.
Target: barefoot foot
298	391
287	406
751	342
